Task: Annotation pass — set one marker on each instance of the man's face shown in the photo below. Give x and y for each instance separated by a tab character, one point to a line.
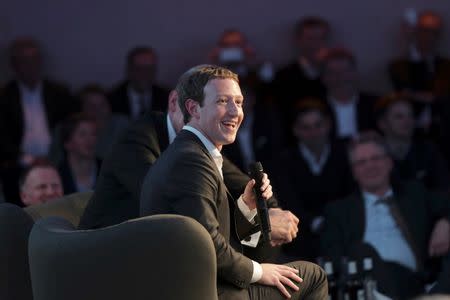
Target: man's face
312	41
339	74
428	32
41	185
398	121
141	72
371	166
83	140
312	129
96	106
27	65
221	114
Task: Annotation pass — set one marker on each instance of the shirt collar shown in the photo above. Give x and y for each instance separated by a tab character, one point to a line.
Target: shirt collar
215	153
310	71
372	198
25	89
170	129
336	103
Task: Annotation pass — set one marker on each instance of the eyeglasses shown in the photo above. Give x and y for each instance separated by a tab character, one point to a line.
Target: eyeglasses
364	161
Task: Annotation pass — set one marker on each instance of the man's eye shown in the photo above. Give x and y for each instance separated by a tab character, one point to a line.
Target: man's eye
222	100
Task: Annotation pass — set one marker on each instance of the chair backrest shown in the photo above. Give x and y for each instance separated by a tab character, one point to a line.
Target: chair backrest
157	257
70	207
15	226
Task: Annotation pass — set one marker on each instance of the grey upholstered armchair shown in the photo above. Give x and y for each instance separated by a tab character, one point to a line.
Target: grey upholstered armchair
157	257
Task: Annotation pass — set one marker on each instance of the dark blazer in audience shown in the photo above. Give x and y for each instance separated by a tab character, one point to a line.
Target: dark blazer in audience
58	104
67	177
120	102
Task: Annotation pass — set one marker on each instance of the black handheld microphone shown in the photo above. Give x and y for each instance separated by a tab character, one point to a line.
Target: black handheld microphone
256	172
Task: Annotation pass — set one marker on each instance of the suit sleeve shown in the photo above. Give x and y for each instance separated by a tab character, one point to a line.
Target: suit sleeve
198	195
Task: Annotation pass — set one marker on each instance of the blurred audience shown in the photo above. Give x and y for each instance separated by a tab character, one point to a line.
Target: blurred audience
40	183
301	78
139	92
423	73
30	107
80	167
401	225
94	105
310	174
352	110
259	135
413	158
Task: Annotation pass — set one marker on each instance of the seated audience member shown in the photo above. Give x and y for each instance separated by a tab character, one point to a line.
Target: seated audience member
311	174
30	108
301	77
259	138
352	110
40	183
401	225
424	74
139	92
94	104
79	167
414	158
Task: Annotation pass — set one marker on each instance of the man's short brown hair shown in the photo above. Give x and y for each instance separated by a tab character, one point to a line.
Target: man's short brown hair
384	104
191	84
311	22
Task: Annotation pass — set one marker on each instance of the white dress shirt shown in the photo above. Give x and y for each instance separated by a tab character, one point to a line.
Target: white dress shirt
170	129
139	103
249	214
346	117
383	233
36	139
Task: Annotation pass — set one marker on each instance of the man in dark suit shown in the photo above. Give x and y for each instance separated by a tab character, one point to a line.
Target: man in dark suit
301	78
30	108
401	225
139	93
351	110
116	196
423	74
310	174
187	179
414	158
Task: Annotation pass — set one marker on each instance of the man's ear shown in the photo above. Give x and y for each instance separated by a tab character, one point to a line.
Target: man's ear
173	100
192	108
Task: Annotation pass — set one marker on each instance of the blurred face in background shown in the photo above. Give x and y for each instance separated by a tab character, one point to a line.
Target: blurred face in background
312	129
26	62
339	74
371	166
428	32
398	121
96	106
83	140
42	184
141	71
312	41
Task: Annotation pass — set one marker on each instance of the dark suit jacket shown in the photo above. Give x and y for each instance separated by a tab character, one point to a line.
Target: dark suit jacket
185	181
120	103
118	187
424	162
116	197
365	114
406	74
345	220
306	194
58	104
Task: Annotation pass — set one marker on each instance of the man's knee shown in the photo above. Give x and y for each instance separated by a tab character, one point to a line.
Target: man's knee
309	270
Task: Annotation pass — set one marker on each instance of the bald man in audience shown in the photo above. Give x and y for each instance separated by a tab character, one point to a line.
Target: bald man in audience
40	183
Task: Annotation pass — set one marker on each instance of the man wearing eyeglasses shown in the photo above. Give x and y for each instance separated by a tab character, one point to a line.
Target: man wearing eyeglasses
402	226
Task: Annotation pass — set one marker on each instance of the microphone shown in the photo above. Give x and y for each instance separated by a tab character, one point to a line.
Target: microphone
256	172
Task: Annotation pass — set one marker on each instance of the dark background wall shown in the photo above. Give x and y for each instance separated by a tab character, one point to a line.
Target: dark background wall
86	41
